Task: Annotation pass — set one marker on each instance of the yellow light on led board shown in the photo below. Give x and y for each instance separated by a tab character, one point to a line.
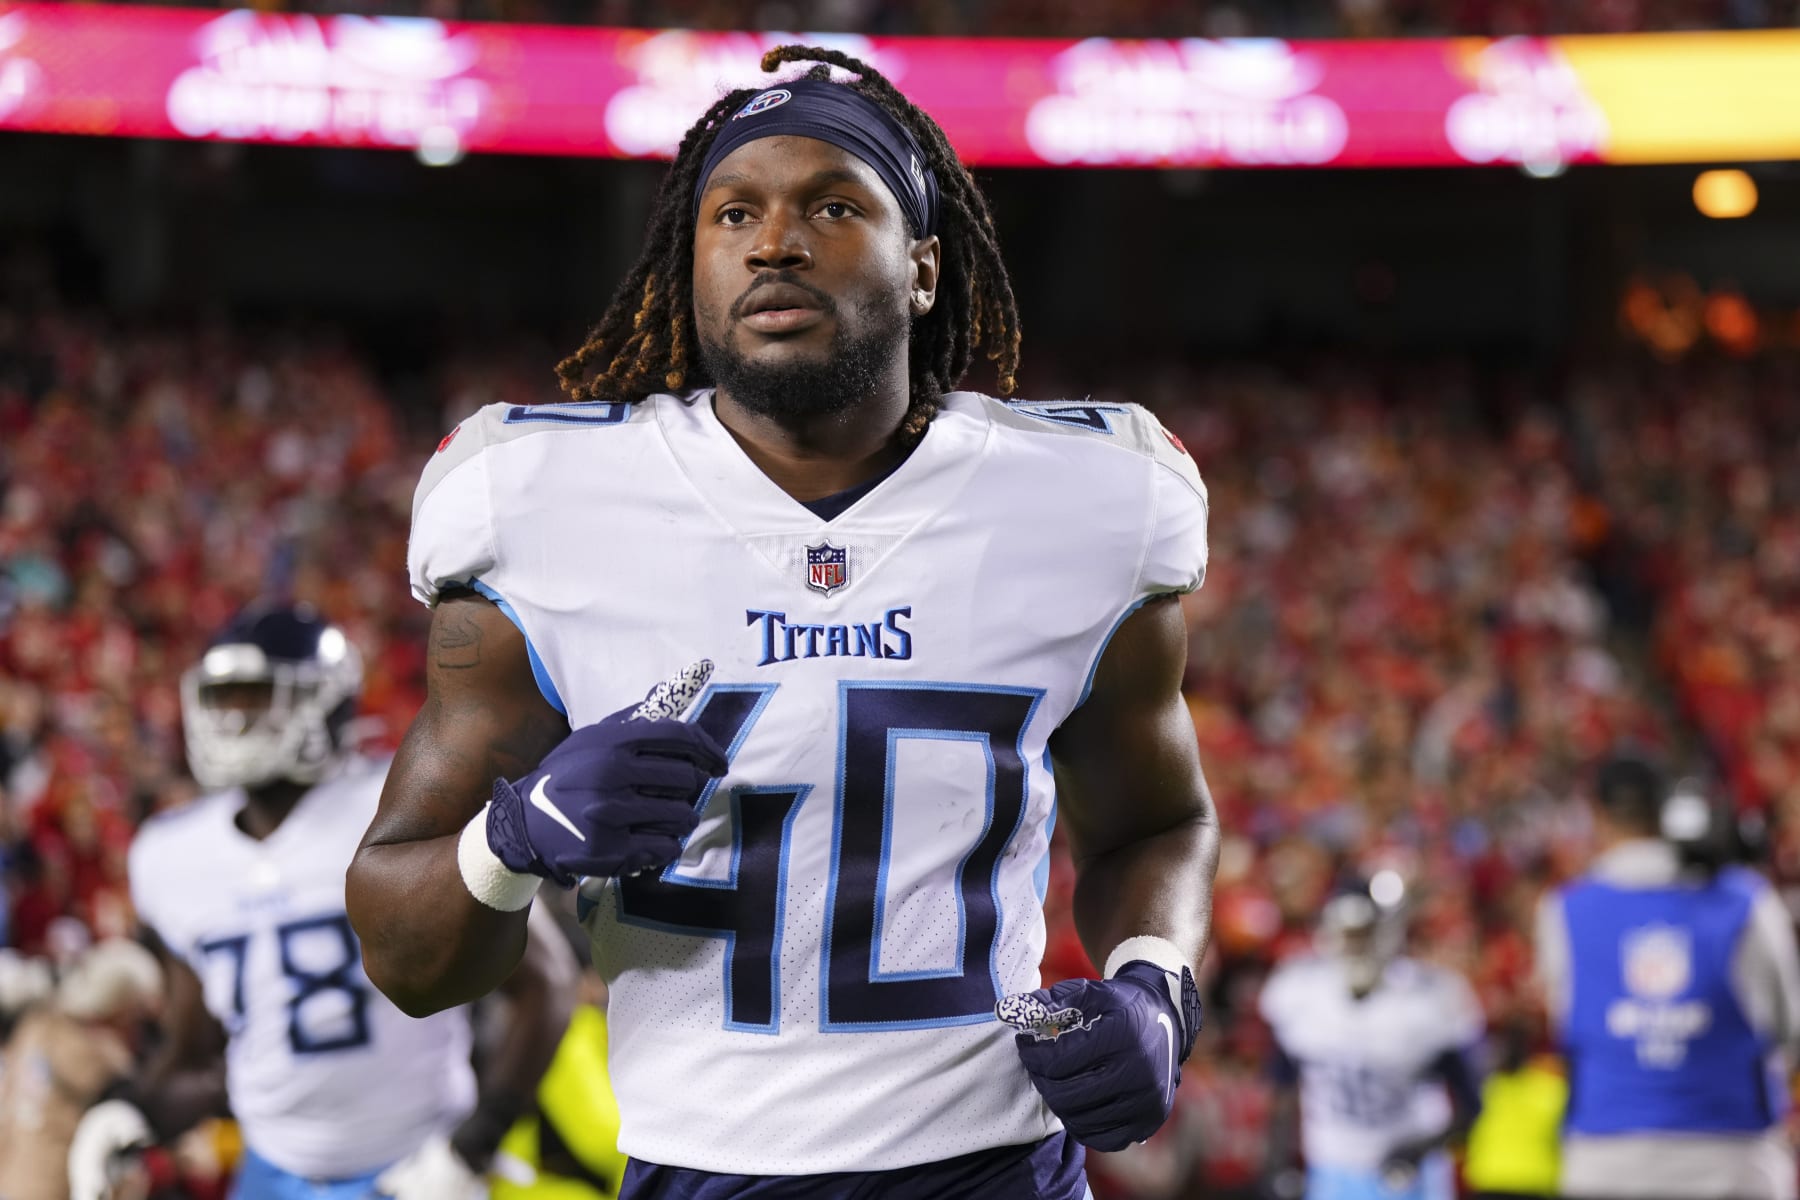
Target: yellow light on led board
1725	194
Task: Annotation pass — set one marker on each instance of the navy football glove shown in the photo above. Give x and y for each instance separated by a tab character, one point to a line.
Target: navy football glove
613	798
1106	1054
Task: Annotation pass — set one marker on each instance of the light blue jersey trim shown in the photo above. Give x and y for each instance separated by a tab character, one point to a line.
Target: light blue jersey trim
729	936
672	873
993	882
1075	415
1040	877
876	974
1435	1180
260	1179
1087	686
569	412
539	672
764	692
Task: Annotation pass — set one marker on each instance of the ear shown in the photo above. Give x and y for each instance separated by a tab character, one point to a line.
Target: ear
925	254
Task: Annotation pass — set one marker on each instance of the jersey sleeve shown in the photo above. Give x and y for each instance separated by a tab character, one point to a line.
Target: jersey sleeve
452	537
1274	1003
142	878
1463	1021
1765	969
1551	954
1175	557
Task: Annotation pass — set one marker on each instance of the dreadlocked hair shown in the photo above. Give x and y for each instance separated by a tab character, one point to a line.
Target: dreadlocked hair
646	343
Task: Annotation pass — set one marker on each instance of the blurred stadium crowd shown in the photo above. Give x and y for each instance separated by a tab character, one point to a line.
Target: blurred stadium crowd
1439	594
1106	18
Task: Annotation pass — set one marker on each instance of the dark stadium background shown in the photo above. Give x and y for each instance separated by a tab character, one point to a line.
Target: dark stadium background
1505	473
1128	262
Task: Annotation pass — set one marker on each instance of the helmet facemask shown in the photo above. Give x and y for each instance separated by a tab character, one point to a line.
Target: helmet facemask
1362	937
251	720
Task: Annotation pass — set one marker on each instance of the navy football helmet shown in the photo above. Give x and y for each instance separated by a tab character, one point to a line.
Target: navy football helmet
1363	932
269	699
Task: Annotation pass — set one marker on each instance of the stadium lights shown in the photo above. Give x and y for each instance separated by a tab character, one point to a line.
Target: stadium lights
1725	194
1387	888
439	146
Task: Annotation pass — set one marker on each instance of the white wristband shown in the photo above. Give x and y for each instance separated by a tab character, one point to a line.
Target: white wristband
1160	951
1146	948
486	877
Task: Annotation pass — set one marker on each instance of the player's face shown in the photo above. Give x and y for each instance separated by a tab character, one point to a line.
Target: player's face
806	276
1357	949
245	703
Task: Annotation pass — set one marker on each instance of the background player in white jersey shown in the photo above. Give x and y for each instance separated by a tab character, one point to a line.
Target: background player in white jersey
337	1092
1378	1048
931	623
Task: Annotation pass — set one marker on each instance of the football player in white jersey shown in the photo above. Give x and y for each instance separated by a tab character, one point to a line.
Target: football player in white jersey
340	1096
908	628
1375	1061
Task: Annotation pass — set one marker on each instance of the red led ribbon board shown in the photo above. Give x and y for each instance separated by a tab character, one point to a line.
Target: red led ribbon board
397	83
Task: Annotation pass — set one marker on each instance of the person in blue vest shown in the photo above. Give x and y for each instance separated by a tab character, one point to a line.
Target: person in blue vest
1675	988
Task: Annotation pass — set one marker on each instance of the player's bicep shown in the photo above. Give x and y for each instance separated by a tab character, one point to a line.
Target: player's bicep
1281	1069
483	719
1460	1073
192	1036
1127	762
194	1031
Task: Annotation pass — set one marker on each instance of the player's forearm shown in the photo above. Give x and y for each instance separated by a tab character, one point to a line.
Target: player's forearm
1283	1146
175	1099
1139	815
1462	1080
541	993
1160	885
427	943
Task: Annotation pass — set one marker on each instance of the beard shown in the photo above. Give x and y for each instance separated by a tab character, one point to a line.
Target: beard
797	392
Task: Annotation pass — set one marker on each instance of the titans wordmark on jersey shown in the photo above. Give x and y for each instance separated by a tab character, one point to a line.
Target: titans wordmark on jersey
810	987
326	1077
1366	1082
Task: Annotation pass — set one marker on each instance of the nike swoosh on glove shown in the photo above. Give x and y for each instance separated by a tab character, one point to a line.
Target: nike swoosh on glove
432	1172
1106	1054
615	797
106	1133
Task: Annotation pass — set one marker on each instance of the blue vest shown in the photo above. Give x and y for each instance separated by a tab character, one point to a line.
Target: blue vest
1656	1040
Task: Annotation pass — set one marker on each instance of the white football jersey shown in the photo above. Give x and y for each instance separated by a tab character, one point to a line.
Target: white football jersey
326	1077
1365	1065
810	988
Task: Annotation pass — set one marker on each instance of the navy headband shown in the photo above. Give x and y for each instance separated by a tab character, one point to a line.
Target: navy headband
833	113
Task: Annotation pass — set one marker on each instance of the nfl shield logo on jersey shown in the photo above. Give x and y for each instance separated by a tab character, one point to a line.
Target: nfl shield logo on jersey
827	568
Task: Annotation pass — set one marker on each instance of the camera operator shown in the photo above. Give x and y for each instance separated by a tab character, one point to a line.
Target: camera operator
1674	982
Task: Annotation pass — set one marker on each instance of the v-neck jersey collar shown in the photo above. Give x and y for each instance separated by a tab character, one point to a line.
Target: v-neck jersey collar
745	498
309	799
